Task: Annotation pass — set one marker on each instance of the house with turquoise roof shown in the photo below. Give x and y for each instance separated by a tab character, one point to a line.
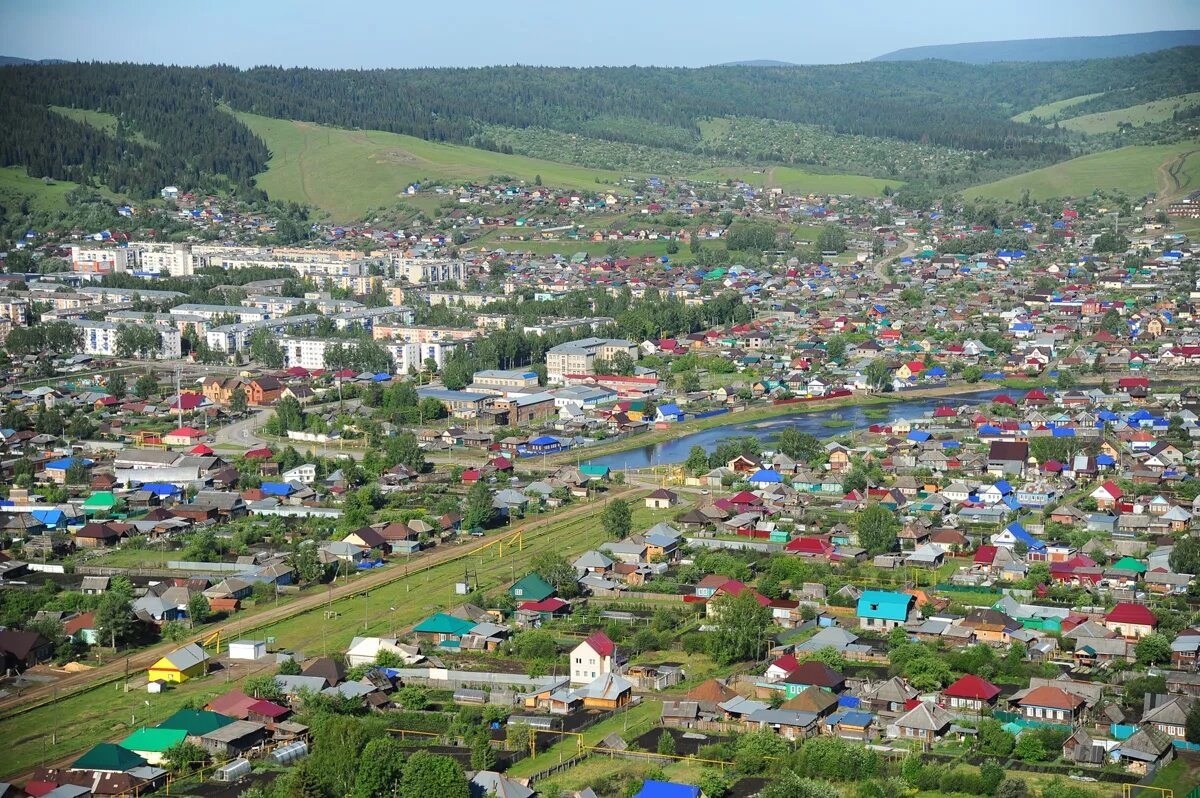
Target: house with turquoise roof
884	610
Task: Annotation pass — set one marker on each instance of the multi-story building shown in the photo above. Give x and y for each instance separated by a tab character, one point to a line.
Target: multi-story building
210	312
579	357
101	338
502	381
309	353
236	337
430	270
94	262
421	335
282	305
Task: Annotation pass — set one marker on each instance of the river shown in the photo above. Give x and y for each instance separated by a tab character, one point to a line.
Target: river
676	451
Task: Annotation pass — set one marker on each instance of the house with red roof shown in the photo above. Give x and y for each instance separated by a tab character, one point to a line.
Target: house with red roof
594	657
183	436
971	693
1107	495
1047	704
810	547
1130	620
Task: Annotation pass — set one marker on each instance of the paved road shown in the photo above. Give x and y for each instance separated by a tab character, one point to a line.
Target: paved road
235	625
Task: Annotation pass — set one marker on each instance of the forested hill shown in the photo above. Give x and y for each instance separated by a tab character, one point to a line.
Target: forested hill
1069	48
171	125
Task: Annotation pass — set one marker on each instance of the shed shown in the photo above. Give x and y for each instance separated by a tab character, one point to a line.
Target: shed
247	649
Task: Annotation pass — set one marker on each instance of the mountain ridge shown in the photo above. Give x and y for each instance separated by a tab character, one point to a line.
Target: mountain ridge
1058	48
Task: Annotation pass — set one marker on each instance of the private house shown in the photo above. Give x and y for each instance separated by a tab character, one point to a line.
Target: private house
1145	751
607	691
443	630
594	657
21	650
971	693
152	744
180	665
883	610
1052	705
926	722
662	499
1132	621
1169	716
531	587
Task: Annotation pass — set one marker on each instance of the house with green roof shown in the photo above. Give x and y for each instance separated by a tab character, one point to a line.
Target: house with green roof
110	758
444	630
102	501
196	722
594	471
883	609
1129	564
531	587
152	744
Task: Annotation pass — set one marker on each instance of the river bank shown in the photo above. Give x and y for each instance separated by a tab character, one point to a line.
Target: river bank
602	453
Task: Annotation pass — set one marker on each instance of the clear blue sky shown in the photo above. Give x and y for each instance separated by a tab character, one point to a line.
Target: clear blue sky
406	33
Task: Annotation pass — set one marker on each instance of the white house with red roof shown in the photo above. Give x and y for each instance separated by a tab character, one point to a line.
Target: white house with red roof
594	657
183	436
1107	495
1132	621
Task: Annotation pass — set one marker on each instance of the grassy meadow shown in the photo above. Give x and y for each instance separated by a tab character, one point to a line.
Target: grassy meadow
1052	110
1135	170
347	172
1136	115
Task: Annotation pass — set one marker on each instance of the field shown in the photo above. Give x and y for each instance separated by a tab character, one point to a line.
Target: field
795	180
1052	110
348	172
1135	170
97	119
16	186
1137	115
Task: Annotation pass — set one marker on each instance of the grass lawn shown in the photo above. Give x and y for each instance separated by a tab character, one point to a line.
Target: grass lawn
795	180
348	172
1181	776
1054	109
1134	170
136	558
599	766
1137	115
628	724
43	197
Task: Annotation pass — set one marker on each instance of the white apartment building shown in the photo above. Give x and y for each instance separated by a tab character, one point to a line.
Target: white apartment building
236	337
309	353
243	314
100	338
98	261
430	270
147	259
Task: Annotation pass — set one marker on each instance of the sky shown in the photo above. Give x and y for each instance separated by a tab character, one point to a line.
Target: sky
404	33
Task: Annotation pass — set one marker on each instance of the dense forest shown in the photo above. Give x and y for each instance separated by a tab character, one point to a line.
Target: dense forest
172	126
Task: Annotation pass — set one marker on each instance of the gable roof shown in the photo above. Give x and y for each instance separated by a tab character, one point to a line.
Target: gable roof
600	643
971	686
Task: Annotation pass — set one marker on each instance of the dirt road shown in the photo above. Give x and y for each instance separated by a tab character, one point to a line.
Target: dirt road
238	625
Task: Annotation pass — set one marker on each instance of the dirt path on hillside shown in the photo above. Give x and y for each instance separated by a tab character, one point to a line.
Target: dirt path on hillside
1168	177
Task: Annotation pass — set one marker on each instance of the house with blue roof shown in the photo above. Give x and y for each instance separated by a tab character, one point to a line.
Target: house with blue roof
766	476
57	469
278	489
668	413
1015	534
884	610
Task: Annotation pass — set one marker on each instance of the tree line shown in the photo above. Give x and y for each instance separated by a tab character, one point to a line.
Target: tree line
171	124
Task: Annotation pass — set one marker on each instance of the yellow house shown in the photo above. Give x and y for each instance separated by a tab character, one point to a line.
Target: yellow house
180	665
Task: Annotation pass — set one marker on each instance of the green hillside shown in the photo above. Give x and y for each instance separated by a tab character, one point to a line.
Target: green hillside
795	180
39	196
1053	110
1137	115
1135	170
348	172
